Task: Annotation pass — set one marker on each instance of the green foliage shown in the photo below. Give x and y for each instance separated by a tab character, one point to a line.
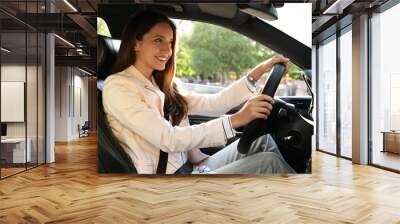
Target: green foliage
183	59
220	53
294	72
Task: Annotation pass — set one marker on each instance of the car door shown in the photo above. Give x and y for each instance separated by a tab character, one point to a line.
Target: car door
236	17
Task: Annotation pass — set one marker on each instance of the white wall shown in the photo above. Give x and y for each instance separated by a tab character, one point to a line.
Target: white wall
16	73
33	127
71	102
61	103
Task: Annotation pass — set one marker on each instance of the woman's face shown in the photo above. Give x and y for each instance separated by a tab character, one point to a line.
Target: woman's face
155	48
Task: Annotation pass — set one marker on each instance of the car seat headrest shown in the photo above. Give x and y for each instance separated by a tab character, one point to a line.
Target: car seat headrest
107	50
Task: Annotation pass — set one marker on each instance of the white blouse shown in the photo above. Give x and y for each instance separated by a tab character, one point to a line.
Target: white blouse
133	107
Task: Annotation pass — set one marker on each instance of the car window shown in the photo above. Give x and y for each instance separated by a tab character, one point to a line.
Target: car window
102	28
211	57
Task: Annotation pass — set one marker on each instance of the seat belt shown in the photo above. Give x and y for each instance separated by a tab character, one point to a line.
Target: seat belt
163	159
186	168
162	162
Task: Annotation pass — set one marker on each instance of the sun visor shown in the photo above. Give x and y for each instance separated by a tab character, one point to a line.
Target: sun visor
223	10
262	11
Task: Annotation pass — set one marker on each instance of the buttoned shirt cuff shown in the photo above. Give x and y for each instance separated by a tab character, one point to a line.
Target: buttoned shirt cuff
227	125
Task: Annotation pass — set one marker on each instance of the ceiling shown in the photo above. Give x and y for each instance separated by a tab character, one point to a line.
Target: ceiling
76	25
76	21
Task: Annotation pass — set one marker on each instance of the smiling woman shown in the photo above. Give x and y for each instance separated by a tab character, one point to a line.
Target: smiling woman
148	112
148	42
155	49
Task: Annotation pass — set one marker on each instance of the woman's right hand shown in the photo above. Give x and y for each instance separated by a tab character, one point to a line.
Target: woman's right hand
259	106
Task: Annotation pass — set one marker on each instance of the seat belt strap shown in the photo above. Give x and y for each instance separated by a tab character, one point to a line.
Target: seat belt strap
163	158
162	162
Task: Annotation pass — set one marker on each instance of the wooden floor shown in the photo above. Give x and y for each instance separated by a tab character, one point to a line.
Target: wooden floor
71	191
10	171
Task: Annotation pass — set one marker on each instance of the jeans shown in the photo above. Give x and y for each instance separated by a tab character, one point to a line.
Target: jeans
263	158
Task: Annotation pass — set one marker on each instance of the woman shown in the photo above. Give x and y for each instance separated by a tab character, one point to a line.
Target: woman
134	96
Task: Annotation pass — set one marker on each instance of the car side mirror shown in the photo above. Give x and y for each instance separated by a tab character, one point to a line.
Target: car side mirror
308	75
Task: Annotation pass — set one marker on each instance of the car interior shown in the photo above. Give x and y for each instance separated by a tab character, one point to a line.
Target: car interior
291	123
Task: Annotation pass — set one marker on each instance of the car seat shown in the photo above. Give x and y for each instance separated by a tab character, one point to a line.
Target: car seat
111	157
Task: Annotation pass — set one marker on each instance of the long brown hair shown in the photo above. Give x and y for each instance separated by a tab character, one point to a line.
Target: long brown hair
137	27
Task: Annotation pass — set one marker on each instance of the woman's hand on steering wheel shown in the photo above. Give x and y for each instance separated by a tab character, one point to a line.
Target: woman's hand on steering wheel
267	65
259	106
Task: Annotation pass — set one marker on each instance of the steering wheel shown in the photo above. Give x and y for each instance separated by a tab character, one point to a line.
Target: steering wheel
259	126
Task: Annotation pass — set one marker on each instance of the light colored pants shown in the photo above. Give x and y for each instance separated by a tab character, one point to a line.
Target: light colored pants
263	158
